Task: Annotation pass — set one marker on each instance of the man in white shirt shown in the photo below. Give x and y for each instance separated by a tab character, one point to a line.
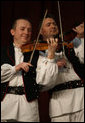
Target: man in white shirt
19	91
67	97
80	59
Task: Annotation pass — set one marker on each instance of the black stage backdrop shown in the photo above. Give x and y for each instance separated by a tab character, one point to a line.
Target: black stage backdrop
72	12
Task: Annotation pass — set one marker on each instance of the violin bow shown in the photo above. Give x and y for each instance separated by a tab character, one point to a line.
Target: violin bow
61	31
37	37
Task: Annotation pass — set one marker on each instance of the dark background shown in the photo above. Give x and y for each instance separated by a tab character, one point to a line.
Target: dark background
72	12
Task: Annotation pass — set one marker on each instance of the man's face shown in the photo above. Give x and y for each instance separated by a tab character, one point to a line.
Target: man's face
22	32
49	28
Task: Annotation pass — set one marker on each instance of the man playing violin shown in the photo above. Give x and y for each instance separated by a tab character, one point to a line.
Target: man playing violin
78	60
66	92
19	90
16	105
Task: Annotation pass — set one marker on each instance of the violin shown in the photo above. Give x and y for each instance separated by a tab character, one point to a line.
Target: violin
68	36
30	47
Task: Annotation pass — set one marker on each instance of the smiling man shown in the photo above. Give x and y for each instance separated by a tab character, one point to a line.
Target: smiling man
18	87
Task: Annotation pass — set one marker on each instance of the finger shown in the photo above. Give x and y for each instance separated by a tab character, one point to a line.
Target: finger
26	68
48	41
56	40
52	40
29	64
74	29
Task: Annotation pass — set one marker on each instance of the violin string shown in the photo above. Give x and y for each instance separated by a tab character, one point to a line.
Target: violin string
61	26
38	37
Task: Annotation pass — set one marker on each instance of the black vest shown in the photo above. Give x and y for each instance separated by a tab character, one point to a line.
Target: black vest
74	60
31	88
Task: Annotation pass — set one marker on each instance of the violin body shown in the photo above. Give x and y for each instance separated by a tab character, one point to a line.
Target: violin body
31	46
69	36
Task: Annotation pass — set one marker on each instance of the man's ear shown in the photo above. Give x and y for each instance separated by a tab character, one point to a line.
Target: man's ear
12	32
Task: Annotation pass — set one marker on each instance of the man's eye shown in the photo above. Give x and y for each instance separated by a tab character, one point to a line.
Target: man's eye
22	29
48	24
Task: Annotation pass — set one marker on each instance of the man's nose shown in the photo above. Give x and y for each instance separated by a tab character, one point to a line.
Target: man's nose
52	25
26	31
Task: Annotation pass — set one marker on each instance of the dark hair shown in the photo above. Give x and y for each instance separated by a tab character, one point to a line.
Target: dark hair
15	22
50	16
47	16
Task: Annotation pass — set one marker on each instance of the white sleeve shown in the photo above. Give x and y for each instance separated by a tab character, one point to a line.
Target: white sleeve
47	71
7	72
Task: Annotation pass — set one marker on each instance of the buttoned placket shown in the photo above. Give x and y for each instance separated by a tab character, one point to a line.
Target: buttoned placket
18	59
